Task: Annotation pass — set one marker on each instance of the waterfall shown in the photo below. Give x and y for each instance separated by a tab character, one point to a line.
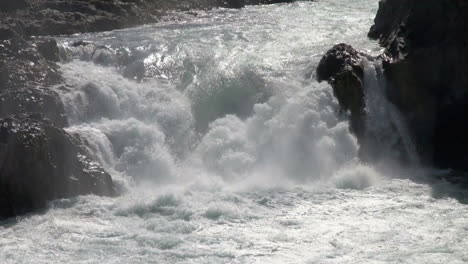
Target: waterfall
228	154
386	128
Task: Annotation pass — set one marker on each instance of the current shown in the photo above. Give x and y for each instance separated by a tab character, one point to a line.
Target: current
226	149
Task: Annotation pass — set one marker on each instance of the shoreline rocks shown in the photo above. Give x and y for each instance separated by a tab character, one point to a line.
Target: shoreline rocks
25	18
40	162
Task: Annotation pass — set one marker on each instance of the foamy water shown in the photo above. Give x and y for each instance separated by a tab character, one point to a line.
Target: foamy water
227	150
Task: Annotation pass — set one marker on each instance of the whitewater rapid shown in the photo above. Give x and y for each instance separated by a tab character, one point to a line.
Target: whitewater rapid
226	150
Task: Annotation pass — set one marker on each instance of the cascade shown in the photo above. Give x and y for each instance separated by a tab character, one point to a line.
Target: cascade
386	129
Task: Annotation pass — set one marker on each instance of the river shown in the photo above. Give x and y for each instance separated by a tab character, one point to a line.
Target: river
226	150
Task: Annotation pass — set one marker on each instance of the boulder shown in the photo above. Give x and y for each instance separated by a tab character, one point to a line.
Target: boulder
49	50
40	162
342	67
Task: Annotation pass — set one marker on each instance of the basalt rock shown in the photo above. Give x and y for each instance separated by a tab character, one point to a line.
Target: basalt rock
40	162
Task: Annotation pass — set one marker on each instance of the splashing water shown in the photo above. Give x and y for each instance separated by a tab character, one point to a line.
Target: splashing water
228	151
389	134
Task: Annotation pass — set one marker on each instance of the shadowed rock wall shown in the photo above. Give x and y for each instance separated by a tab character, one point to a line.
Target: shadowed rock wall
425	65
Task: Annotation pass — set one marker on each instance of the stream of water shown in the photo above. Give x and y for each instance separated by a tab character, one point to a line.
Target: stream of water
226	150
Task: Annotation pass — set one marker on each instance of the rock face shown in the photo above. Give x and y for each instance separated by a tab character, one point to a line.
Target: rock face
425	65
40	162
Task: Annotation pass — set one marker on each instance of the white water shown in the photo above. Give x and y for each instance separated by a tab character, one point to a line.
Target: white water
229	152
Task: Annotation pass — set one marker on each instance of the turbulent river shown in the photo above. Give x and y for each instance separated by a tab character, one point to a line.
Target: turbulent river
226	150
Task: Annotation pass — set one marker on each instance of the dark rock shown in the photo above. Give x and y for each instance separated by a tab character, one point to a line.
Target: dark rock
7	32
348	72
105	56
342	68
266	2
33	100
389	16
27	73
10	5
426	65
236	3
40	162
23	65
49	49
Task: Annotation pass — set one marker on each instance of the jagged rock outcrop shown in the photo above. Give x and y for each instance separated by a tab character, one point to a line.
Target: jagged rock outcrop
40	162
426	66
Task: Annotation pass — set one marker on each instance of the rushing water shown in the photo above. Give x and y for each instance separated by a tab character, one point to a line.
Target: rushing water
227	150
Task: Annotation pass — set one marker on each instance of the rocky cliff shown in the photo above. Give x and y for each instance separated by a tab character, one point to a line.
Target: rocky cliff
425	65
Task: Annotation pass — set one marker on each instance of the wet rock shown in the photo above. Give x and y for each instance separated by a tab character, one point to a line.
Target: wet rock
342	67
40	162
135	70
23	65
49	50
348	72
27	74
105	56
426	66
33	100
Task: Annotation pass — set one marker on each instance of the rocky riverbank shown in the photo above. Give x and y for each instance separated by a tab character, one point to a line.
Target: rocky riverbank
425	67
39	160
57	17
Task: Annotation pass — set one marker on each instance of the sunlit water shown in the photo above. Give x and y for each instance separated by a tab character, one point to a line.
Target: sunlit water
227	150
